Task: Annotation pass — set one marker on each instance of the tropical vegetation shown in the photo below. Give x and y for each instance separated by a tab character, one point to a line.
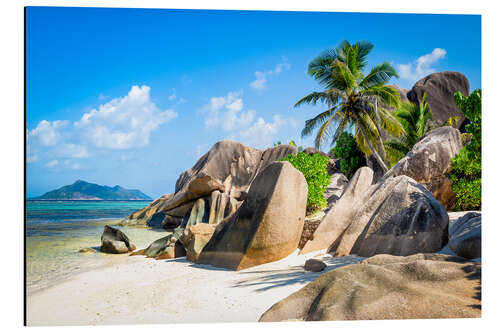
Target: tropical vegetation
353	98
351	157
416	121
314	169
466	166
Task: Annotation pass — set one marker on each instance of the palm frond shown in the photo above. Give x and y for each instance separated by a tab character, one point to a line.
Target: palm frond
363	49
390	123
373	135
325	131
342	77
379	75
320	69
396	150
315	122
344	123
314	97
387	95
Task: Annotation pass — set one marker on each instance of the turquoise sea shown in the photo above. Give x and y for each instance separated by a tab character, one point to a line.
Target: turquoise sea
57	230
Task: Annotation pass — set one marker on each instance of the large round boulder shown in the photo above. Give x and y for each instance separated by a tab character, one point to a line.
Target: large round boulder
429	163
267	226
440	88
397	216
420	286
400	217
227	168
465	236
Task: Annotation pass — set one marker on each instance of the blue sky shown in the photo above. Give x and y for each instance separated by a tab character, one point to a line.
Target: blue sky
135	96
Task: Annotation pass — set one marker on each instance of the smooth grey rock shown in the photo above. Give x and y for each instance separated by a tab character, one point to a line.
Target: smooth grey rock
314	265
419	286
465	236
429	162
228	167
115	241
338	217
440	88
267	226
399	217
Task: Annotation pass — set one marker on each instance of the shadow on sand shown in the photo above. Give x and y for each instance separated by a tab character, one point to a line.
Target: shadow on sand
276	278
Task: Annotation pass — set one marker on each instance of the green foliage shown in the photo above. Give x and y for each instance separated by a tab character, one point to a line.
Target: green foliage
466	166
415	120
471	108
351	157
314	169
468	193
452	121
354	97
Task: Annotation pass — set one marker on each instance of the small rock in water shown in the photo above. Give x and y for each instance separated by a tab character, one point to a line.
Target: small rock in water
114	240
87	250
314	265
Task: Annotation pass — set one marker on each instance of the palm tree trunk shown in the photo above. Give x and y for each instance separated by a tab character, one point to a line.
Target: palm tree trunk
377	124
374	151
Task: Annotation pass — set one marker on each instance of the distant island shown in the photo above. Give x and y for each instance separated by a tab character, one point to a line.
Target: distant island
82	190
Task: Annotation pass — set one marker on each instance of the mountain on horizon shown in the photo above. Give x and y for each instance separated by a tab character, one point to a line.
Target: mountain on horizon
82	190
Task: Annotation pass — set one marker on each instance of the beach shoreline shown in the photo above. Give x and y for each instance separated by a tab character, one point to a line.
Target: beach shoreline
53	250
139	290
124	289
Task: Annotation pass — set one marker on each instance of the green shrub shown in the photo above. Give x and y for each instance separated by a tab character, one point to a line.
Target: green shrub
314	169
466	166
351	157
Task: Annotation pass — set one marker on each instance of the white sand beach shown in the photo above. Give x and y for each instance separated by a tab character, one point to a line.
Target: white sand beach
137	290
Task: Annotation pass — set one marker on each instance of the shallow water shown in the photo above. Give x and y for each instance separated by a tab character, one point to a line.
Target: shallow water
56	231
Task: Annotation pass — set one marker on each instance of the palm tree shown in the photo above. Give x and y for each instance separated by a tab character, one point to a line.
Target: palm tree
353	98
416	121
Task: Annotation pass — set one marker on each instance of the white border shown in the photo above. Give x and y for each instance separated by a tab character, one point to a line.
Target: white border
11	88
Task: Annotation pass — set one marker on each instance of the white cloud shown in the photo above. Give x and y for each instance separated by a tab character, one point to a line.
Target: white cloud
227	112
260	81
124	122
52	164
121	123
47	133
72	166
48	139
261	77
73	150
421	67
31	156
261	134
